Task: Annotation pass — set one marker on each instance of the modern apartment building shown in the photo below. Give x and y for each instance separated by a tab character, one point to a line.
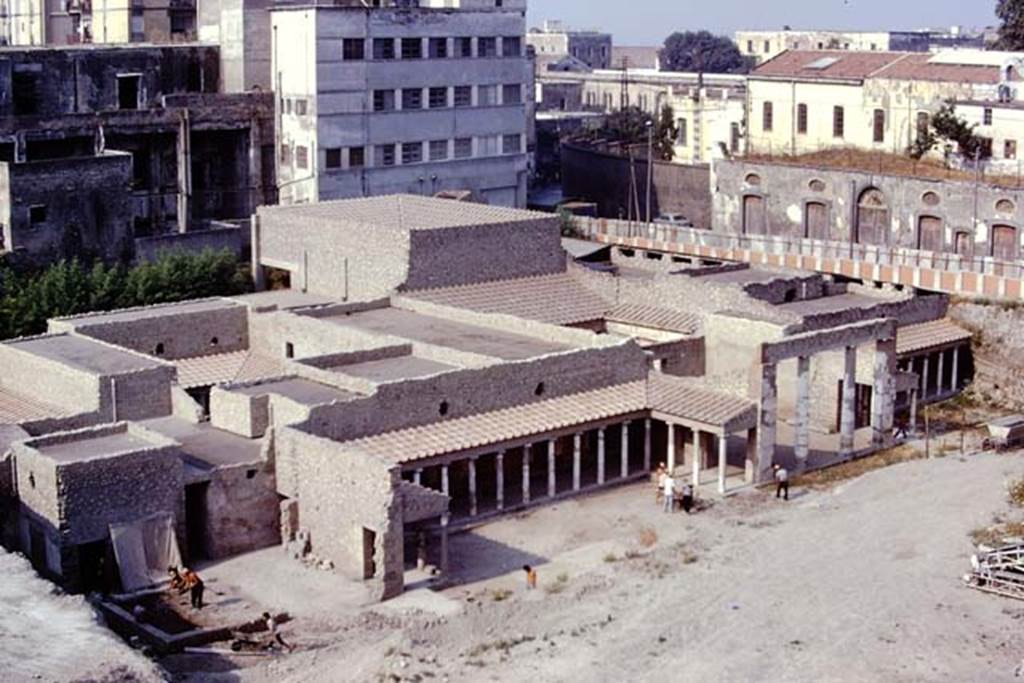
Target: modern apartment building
70	22
411	97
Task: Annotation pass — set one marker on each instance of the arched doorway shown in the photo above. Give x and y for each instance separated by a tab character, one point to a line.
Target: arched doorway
816	221
1004	242
929	233
872	217
753	215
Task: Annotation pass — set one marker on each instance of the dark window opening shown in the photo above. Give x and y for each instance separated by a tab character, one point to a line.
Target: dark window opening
412	48
383	48
838	122
443	408
801	118
333	157
25	87
879	125
128	91
37	214
356	157
539	390
250	474
289	350
215	341
353	49
159	350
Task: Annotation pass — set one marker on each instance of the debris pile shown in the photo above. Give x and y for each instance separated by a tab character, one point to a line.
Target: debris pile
999	571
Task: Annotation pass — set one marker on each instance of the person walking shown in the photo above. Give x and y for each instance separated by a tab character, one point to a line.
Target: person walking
659	481
531	577
687	498
669	492
781	481
194	585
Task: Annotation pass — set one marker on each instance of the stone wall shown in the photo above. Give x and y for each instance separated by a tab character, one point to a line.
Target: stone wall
606	180
75	391
241	510
183	331
234	239
786	190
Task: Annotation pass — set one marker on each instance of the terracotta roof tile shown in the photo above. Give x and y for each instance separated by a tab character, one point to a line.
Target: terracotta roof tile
920	67
234	366
674	396
16	408
847	64
656	317
929	335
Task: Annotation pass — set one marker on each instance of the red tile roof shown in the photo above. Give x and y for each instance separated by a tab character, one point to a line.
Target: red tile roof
919	67
929	335
16	408
235	366
655	317
857	66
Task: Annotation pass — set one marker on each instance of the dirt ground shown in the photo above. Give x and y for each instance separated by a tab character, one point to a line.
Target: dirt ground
857	582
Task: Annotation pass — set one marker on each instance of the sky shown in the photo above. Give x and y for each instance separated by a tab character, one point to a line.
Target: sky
648	22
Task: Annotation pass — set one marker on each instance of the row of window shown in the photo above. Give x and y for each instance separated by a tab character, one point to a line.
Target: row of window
408	152
442	97
383	49
838	120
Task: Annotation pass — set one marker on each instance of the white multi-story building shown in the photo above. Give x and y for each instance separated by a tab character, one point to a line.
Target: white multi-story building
419	97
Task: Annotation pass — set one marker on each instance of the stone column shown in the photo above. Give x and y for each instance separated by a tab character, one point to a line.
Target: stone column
444	544
184	159
954	378
647	445
600	456
698	457
671	447
499	473
577	448
472	487
417	477
883	395
767	417
624	465
803	412
444	480
749	475
848	411
924	380
551	468
723	448
938	379
526	473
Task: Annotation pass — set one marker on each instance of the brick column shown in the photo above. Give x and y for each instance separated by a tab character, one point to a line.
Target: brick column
803	411
766	428
576	454
624	465
499	472
600	456
551	468
848	414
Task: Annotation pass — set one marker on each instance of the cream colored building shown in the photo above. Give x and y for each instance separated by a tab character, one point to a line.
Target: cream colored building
807	101
1003	124
70	22
708	109
765	45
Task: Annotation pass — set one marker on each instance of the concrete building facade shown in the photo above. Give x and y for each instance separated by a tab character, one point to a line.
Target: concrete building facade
764	45
410	99
53	22
555	40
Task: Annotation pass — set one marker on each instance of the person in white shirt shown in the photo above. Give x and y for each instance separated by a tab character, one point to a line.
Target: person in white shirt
669	492
275	635
781	481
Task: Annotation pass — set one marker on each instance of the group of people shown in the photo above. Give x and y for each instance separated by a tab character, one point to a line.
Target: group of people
665	491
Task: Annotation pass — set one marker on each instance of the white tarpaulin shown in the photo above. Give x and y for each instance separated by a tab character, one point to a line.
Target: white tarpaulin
144	550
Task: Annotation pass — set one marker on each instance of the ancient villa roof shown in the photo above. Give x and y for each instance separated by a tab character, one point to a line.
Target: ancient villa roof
557	299
16	408
405	212
858	66
929	335
668	396
655	317
235	366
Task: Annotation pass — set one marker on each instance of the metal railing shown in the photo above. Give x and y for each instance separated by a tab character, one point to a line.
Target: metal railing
781	246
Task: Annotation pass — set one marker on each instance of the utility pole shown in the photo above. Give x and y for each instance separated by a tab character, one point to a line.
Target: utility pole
650	168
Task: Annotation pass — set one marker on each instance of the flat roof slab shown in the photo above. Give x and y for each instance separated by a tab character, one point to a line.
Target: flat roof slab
206	446
85	354
441	332
89	446
394	369
304	391
150	312
282	298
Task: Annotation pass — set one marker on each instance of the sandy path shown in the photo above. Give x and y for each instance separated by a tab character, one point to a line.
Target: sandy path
855	584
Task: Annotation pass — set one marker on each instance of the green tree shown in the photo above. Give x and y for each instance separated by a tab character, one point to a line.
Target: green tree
1011	30
945	126
703	51
629	127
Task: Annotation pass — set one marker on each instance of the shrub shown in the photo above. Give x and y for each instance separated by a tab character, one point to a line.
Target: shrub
1016	493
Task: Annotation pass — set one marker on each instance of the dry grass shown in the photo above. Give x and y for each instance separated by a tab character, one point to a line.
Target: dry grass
882	163
993	536
648	537
1015	492
829	477
500	594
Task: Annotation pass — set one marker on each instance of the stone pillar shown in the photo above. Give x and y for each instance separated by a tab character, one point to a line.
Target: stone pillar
184	159
924	380
723	448
883	395
954	378
444	544
671	447
624	465
444	480
576	453
767	415
848	411
647	445
527	449
600	456
803	412
749	475
472	488
551	469
698	457
417	477
499	472
913	411
938	379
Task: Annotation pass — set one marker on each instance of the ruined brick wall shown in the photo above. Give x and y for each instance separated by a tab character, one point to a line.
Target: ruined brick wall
70	207
908	310
184	333
241	510
467	392
787	189
606	180
339	496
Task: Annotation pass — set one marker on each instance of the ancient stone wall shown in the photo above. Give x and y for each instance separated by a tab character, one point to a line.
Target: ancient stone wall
53	383
242	510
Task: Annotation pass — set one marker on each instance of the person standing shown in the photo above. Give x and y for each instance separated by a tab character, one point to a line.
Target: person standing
669	492
275	635
195	587
531	577
659	481
687	498
781	481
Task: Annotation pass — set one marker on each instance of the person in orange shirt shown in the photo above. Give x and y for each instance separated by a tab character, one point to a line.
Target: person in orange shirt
194	585
531	577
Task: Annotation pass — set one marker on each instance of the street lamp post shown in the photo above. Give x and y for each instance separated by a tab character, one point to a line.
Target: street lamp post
650	168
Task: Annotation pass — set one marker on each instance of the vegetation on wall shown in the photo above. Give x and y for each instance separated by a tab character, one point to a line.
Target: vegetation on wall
703	51
29	297
1011	30
946	127
629	127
